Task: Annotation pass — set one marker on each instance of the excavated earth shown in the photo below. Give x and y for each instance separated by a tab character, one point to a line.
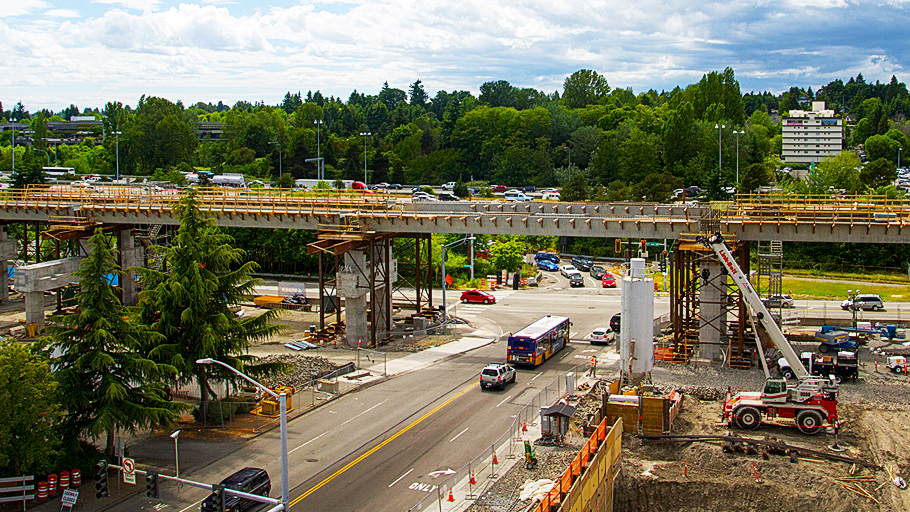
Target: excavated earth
697	476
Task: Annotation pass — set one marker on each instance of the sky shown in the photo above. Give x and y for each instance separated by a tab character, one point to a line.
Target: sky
54	53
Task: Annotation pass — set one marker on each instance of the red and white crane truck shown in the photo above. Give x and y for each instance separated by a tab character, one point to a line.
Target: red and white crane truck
810	403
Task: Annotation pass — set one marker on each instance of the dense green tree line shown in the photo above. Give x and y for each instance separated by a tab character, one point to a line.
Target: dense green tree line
509	135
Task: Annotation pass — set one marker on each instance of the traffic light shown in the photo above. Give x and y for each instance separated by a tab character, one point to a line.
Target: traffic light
101	479
644	246
617	246
218	497
151	485
663	265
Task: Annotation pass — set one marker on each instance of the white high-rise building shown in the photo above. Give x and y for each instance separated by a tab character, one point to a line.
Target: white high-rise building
809	136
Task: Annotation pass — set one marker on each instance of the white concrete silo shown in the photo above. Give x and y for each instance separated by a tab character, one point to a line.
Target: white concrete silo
637	323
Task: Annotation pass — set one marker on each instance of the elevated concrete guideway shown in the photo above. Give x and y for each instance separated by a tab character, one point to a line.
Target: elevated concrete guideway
861	219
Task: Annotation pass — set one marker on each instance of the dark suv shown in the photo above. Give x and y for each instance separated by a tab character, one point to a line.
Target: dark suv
616	322
248	480
583	264
549	256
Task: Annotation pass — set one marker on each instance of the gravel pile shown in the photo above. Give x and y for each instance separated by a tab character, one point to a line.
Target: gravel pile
303	369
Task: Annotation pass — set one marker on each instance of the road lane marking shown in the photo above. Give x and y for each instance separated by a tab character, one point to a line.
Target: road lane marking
462	432
504	400
380	445
194	505
345	423
402	476
535	377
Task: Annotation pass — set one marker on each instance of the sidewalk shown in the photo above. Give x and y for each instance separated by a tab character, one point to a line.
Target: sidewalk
424	358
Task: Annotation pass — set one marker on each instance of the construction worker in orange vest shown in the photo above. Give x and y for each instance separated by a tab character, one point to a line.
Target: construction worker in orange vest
593	371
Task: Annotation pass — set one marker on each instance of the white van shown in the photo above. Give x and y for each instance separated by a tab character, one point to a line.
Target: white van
551	196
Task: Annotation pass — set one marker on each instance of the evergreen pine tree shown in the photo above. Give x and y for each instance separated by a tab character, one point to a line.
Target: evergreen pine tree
108	382
190	304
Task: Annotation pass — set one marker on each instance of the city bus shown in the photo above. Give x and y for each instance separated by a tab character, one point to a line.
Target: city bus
539	341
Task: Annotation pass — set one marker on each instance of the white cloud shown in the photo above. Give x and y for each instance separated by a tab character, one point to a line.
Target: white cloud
62	13
218	49
11	8
140	5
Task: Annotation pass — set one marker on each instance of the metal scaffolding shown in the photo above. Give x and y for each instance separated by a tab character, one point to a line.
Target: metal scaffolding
695	317
768	281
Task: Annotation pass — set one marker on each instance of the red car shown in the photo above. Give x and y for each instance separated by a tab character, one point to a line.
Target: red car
609	281
477	296
498	188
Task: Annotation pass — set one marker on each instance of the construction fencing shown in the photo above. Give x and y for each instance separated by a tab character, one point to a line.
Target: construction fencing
485	467
235	412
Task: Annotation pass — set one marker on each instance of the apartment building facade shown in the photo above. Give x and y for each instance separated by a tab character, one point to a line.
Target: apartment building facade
810	136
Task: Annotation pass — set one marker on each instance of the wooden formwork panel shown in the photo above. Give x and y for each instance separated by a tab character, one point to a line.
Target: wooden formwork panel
627	412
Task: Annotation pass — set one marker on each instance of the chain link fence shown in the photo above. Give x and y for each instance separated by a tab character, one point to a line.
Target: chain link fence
237	412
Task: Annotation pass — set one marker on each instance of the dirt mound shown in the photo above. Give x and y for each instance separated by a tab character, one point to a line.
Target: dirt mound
690	476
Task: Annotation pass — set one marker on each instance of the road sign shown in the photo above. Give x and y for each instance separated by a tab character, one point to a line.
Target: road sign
129	471
69	497
449	280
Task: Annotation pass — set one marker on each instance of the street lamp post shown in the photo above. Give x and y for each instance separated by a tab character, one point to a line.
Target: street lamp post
365	135
720	155
852	294
279	156
445	319
320	170
117	133
283	401
13	125
899	149
176	454
45	154
738	133
569	151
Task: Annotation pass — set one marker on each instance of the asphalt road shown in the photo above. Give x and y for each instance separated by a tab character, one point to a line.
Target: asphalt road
368	449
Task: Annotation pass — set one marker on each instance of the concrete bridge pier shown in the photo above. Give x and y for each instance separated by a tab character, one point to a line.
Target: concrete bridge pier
712	311
353	286
131	256
7	252
33	280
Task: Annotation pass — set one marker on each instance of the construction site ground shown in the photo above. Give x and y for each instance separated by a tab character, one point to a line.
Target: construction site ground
874	416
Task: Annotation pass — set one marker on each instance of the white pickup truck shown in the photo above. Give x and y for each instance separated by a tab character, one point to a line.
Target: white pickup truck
449	186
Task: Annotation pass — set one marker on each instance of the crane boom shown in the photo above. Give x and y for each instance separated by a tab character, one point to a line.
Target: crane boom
716	243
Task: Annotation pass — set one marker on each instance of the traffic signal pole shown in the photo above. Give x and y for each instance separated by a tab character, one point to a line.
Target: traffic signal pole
277	505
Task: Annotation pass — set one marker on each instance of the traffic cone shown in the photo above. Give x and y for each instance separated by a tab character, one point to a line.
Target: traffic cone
524	426
495	460
451	497
876	365
473	480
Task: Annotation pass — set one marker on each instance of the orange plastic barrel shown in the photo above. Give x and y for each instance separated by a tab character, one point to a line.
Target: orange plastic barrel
51	485
76	479
64	480
41	494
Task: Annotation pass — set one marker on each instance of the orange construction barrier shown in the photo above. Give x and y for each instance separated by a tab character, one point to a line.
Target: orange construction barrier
76	479
64	480
41	493
51	485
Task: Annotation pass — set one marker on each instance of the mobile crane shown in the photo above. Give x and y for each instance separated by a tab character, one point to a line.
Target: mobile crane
809	404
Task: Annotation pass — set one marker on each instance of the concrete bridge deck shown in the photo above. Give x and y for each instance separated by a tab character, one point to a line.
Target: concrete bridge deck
861	219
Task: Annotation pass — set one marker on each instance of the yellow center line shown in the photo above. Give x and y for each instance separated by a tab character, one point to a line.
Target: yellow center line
380	445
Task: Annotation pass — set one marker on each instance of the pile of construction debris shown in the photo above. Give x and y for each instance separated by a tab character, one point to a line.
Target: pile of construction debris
303	369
